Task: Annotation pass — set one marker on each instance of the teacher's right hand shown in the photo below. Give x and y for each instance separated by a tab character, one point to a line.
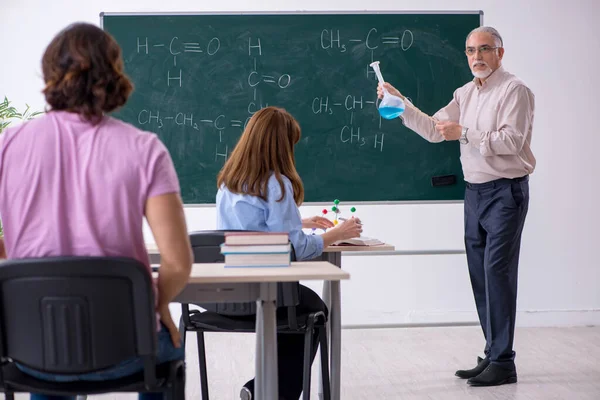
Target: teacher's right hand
390	89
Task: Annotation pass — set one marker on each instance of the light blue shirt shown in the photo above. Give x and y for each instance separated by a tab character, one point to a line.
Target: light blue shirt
246	212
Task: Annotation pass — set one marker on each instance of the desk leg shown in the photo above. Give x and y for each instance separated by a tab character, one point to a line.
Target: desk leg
266	382
259	372
331	297
327	301
336	340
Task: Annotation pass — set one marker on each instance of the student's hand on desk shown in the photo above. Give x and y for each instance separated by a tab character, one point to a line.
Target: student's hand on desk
167	320
349	229
317	223
391	90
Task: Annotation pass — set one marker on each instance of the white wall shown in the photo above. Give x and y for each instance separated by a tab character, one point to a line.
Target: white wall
552	45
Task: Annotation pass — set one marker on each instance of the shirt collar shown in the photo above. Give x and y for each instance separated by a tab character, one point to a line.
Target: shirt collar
494	78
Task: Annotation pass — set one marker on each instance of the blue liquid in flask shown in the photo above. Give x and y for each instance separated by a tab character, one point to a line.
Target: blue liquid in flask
390	112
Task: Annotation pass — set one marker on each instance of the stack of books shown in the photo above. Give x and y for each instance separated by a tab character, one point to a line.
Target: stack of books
256	249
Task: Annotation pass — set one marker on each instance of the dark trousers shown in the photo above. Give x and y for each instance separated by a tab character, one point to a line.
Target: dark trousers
290	347
494	218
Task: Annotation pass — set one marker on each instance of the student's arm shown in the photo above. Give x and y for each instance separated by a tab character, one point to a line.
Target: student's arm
164	212
423	124
167	222
284	216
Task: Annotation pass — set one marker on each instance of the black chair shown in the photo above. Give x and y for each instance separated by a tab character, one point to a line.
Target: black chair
222	317
77	315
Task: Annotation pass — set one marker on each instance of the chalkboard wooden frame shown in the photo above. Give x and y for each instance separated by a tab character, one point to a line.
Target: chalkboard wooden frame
290	12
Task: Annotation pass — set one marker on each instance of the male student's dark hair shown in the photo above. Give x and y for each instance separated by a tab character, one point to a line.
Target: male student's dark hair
83	72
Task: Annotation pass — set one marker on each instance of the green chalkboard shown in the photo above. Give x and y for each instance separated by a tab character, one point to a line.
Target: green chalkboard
199	77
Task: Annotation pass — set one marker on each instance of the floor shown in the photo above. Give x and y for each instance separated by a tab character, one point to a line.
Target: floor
419	363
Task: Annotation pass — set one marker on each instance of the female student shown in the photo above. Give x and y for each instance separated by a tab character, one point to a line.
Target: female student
259	189
92	181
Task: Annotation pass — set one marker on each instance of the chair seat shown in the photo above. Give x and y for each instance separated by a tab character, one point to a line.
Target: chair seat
211	321
18	381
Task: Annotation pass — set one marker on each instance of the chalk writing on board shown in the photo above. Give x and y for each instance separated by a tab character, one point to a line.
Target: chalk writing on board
407	40
176	78
283	81
255	78
157	120
350	134
331	39
252	47
154	117
220	153
253	107
322	105
175	48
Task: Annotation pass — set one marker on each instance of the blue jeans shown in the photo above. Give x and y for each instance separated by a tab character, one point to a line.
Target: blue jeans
165	352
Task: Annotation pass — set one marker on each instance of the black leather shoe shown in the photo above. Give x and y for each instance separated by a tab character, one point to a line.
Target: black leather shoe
245	394
482	364
494	375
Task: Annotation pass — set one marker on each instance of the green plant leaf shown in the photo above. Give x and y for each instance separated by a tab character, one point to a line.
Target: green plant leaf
8	113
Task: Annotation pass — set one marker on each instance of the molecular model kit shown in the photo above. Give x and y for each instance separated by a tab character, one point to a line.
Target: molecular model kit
338	212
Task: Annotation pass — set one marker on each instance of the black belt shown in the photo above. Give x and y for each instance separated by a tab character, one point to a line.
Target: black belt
497	182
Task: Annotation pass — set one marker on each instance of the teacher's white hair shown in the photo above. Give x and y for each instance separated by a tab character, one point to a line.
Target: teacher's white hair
491	31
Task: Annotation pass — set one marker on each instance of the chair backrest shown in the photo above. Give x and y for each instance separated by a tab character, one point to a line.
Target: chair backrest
206	247
75	315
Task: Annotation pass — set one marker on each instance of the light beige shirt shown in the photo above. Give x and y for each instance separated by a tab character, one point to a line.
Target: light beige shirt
499	118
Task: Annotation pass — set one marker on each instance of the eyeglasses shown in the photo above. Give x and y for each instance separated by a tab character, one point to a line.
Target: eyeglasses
482	49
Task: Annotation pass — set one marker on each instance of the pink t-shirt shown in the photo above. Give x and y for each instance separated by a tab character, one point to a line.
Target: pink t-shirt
70	188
